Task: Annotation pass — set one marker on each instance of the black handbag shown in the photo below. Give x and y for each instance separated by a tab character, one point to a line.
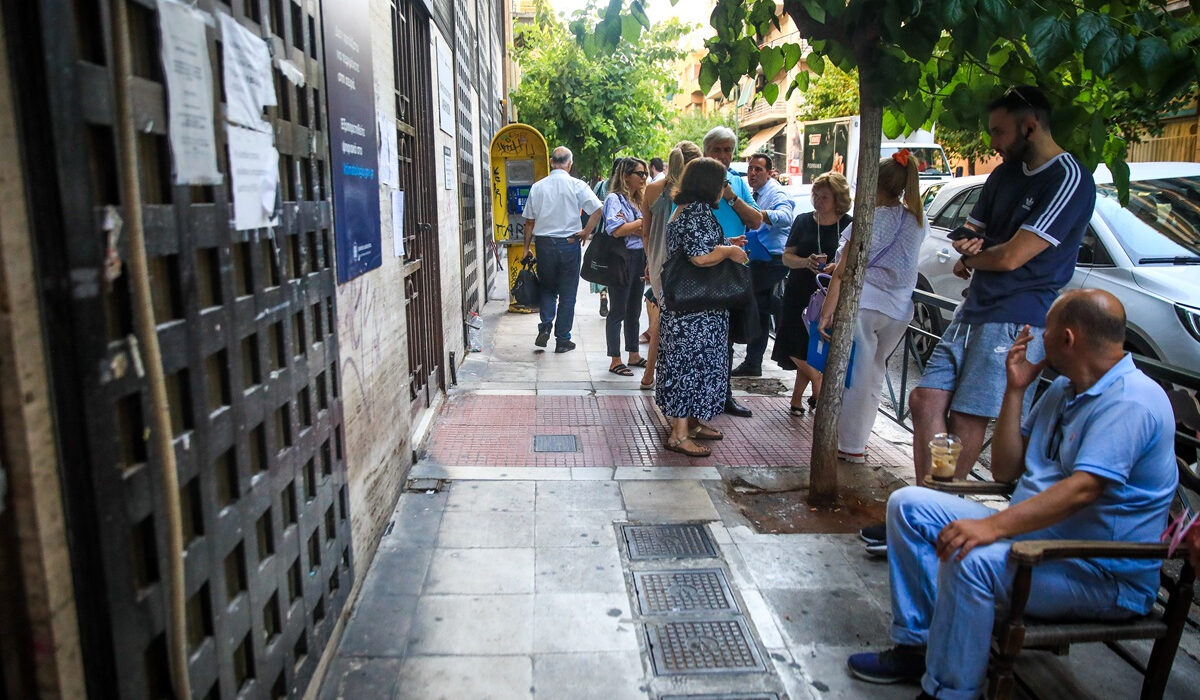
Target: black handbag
526	290
688	288
605	261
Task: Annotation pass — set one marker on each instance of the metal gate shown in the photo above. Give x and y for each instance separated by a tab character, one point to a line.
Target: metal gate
246	322
414	139
466	50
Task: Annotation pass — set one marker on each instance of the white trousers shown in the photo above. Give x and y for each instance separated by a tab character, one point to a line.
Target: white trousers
876	335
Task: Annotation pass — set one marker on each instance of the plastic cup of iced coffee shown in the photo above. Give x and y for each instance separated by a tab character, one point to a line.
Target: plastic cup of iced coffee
943	450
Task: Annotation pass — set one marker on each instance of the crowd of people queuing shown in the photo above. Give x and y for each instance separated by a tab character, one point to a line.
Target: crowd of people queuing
1092	459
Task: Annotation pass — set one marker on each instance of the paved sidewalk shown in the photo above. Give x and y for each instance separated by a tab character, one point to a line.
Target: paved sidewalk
513	573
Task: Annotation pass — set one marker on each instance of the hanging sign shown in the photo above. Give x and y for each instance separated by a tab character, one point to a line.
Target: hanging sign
353	157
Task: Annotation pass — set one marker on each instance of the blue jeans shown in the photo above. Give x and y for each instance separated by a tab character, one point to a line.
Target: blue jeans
558	263
950	607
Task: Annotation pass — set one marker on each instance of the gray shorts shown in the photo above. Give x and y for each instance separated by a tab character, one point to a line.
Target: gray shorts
969	361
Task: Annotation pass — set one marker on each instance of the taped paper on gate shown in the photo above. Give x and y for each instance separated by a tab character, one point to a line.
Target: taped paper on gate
389	168
254	169
398	223
249	86
188	71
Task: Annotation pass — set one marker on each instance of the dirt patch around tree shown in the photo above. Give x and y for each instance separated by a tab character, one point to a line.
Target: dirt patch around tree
774	500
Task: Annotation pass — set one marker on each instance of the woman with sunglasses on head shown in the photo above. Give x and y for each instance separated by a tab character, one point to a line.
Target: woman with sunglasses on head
886	306
623	220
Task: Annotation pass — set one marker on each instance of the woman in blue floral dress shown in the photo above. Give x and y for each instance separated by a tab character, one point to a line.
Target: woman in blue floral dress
693	363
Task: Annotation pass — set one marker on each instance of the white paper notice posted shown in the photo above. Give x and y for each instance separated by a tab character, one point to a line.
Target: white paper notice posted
249	85
398	222
254	169
189	94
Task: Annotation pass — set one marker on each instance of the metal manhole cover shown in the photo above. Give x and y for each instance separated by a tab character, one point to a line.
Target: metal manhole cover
555	443
668	541
695	590
702	646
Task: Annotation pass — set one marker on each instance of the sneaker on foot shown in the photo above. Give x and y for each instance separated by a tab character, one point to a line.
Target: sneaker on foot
873	533
564	346
877	549
898	664
746	370
543	337
603	307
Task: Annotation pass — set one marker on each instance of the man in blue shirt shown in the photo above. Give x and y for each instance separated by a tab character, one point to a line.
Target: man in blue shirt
1096	461
764	245
735	212
1019	249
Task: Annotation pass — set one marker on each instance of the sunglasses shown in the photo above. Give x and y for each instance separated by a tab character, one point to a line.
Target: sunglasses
639	173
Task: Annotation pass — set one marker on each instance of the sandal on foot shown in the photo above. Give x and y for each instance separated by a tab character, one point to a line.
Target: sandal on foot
646	386
812	402
644	338
704	432
640	363
676	445
621	370
796	410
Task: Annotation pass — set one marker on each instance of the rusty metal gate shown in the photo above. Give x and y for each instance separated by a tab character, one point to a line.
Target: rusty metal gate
246	322
414	139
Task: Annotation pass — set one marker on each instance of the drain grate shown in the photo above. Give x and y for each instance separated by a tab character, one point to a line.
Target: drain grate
702	646
555	443
668	541
695	590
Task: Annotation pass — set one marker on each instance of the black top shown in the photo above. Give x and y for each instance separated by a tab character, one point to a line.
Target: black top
791	335
805	239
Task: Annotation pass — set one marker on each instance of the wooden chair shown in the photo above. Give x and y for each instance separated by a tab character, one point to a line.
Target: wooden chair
1016	630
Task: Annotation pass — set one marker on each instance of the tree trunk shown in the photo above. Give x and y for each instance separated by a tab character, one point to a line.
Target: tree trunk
823	471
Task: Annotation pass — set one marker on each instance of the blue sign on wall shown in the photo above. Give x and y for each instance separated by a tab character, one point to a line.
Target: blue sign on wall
353	159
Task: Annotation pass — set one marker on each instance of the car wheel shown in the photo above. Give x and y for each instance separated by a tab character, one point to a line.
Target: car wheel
929	319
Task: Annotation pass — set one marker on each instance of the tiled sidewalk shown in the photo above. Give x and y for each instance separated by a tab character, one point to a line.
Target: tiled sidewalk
509	578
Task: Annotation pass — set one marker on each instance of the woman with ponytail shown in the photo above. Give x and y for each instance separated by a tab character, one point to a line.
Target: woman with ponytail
886	307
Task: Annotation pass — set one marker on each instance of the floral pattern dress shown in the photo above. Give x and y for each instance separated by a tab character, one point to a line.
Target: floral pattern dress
693	352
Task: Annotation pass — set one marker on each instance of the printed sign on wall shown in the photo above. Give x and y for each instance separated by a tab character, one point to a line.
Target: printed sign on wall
353	157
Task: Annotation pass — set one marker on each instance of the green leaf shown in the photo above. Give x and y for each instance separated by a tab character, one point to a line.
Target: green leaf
1120	175
639	13
816	64
770	92
1107	50
802	81
916	112
995	12
1049	41
1185	36
1154	54
630	29
815	10
954	12
791	56
893	124
771	59
1087	26
708	75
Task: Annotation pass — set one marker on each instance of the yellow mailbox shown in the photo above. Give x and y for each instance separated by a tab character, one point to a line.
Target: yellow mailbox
519	158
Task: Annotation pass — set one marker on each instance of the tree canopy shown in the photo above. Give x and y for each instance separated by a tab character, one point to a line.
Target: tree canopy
599	106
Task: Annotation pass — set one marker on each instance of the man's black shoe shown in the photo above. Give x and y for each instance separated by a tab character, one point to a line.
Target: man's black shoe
746	370
564	346
733	408
874	533
542	339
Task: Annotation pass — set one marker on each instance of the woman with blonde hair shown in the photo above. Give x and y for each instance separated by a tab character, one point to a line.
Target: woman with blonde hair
623	219
814	238
886	306
658	210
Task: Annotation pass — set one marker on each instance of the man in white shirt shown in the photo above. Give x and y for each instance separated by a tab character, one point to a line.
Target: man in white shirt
657	171
553	208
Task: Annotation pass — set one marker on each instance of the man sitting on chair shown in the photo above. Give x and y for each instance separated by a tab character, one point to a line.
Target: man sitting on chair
1095	460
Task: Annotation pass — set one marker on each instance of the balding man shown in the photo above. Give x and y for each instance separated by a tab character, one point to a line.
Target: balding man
735	212
1094	460
553	208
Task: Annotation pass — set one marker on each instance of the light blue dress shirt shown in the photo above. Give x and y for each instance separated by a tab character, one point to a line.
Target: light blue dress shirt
769	238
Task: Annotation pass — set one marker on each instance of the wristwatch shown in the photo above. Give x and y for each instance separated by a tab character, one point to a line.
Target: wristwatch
732	200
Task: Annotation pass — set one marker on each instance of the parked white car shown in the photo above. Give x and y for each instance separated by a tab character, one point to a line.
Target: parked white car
1146	254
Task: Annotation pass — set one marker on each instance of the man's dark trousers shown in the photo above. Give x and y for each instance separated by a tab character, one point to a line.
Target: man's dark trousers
764	276
558	261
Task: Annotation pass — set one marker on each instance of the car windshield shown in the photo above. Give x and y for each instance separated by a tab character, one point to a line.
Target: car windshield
930	161
1161	225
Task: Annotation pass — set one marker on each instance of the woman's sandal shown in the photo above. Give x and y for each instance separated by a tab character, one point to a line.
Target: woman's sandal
640	363
621	370
796	410
704	432
812	402
676	445
648	386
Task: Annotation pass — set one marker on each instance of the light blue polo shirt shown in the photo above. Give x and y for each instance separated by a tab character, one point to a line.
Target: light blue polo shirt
730	222
1122	430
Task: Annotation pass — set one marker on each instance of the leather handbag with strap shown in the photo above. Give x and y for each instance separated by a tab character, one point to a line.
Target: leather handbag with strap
688	288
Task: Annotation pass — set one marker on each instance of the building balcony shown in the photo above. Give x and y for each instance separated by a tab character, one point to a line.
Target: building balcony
758	113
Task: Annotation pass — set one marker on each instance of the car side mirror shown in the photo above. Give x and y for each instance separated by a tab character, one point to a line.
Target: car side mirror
958	172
